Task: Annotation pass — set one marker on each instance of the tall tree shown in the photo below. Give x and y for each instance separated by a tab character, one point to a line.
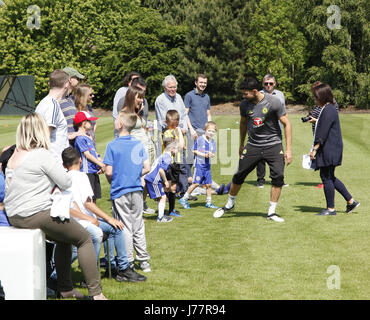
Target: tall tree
215	44
339	37
172	11
275	45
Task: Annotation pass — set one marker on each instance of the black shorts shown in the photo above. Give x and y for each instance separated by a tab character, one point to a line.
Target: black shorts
95	184
173	172
251	155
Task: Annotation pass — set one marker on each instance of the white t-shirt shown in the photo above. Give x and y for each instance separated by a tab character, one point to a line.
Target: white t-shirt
81	190
49	108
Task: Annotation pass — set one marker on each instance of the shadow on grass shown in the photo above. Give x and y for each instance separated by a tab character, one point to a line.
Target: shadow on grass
309	209
151	216
307	184
254	183
233	214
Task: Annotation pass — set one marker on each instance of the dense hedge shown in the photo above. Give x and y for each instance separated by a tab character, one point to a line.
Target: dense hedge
299	41
103	39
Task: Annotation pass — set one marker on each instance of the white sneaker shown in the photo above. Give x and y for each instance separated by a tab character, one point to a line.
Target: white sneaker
275	217
220	212
145	266
148	210
165	219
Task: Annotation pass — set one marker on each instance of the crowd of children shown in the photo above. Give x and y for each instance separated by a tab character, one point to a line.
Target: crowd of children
126	165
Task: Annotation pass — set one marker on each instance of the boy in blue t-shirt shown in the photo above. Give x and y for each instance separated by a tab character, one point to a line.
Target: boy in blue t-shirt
91	162
204	149
156	180
126	162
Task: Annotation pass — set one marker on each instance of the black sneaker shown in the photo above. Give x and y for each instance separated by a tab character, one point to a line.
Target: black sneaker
326	212
129	275
113	272
260	184
353	206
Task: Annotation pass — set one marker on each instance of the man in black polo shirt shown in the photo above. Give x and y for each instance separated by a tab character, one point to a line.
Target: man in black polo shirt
259	115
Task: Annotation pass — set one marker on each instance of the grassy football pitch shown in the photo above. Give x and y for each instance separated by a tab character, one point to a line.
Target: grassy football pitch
243	256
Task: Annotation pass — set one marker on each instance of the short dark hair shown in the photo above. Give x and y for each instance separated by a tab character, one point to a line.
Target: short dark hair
323	94
200	75
70	156
58	78
138	81
128	77
250	83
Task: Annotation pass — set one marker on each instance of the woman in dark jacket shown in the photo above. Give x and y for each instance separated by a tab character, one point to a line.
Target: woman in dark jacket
328	149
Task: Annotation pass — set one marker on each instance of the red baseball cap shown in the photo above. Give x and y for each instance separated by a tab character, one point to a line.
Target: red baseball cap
83	116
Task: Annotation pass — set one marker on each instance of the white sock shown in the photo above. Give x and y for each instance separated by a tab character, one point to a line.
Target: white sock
272	208
230	201
209	200
161	207
186	196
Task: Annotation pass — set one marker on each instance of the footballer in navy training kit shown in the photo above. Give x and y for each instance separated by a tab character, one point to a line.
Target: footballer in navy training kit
259	116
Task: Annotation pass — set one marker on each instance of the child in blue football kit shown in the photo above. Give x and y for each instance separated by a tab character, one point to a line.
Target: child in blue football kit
126	162
156	180
91	162
204	149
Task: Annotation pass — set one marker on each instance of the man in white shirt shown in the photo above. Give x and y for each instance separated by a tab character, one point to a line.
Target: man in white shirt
49	108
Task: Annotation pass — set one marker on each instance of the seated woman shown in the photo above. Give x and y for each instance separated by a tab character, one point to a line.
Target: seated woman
328	149
31	175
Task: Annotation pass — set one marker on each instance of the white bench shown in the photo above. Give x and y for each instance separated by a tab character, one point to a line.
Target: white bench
23	263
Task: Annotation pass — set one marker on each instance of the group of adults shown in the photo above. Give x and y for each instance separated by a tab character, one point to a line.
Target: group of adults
194	111
262	114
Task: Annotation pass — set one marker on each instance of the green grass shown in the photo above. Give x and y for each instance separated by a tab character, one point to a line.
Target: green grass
242	255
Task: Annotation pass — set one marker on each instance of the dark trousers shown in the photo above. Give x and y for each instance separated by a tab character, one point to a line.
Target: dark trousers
185	172
261	171
331	183
251	156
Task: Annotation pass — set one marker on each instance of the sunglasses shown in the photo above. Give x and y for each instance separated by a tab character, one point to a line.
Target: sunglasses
268	83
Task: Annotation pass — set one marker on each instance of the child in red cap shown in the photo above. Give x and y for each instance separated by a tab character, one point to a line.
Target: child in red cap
91	162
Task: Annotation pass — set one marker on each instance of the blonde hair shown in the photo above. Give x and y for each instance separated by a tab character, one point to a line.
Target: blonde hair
81	96
33	133
172	115
127	119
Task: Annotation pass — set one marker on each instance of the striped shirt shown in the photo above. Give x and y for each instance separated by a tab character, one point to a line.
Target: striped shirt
69	110
49	108
172	135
